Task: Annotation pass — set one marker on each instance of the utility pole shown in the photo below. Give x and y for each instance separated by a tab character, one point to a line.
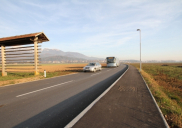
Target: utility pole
140	51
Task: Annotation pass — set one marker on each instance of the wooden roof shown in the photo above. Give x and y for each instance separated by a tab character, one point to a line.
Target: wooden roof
23	39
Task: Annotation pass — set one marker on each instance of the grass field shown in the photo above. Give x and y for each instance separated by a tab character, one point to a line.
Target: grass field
165	83
52	70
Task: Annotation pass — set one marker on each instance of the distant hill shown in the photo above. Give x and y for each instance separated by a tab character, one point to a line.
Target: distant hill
56	52
61	58
150	61
129	61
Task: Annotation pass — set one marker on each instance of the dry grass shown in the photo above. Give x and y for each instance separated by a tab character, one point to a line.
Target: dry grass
165	82
55	67
62	67
52	70
21	80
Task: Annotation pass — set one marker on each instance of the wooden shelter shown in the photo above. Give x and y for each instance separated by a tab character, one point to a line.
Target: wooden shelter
17	46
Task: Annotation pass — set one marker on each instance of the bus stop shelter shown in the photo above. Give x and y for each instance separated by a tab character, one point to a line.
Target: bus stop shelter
18	49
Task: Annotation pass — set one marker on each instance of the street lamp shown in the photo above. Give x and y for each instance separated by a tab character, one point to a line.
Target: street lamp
140	51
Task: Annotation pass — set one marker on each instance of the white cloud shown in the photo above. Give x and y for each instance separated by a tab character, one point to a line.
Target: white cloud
86	25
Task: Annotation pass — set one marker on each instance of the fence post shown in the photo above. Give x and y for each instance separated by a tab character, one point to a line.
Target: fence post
36	55
3	61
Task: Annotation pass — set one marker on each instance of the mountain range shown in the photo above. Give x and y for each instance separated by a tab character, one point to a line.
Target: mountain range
58	55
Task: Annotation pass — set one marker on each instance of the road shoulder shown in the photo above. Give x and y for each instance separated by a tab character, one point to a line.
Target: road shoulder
127	104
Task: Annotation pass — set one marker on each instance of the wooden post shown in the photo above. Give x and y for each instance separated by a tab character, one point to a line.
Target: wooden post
36	56
4	73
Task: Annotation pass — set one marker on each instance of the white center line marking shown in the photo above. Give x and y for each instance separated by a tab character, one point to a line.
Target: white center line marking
95	74
43	89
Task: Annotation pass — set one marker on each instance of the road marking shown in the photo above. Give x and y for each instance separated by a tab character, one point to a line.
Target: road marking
165	122
79	116
95	74
43	89
109	70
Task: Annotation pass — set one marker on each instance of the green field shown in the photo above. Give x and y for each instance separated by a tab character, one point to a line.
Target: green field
165	83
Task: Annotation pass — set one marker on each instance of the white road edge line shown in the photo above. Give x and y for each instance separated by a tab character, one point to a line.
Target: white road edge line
43	89
78	117
160	112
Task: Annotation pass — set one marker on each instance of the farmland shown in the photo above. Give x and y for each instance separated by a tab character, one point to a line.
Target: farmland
165	83
62	67
52	70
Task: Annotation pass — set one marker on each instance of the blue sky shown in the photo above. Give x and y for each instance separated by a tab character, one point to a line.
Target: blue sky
100	28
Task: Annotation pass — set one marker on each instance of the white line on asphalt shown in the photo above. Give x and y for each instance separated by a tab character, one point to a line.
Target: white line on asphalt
165	122
109	70
43	89
79	116
95	74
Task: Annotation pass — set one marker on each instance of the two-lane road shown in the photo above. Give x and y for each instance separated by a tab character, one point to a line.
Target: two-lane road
53	102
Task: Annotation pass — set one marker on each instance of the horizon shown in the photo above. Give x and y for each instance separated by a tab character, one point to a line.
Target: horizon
100	28
119	58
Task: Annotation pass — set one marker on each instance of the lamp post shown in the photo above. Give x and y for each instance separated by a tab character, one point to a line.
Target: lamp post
140	51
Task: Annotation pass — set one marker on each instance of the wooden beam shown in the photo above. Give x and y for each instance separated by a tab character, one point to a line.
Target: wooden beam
36	55
4	73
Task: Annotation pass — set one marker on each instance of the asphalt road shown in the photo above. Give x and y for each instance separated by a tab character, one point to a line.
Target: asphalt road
128	104
53	102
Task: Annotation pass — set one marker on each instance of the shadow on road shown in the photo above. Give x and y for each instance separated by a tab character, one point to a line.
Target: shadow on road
61	114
